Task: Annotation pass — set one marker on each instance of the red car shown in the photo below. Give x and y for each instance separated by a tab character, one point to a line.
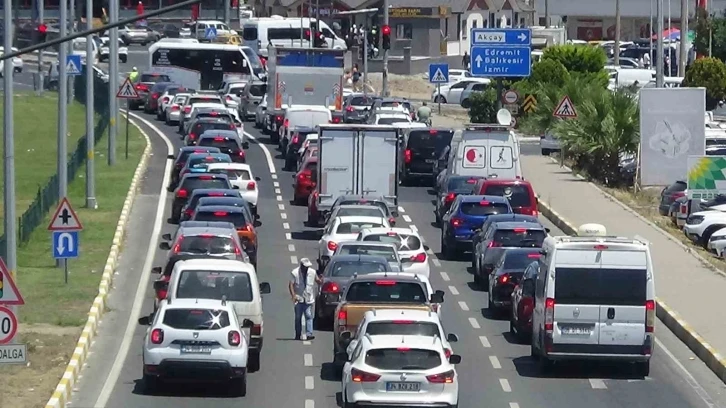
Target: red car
520	321
520	193
305	181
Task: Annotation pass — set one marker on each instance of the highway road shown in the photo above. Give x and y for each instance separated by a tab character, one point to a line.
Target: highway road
495	371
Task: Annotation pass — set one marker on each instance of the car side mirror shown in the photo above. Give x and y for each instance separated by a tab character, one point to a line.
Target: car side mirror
394	213
265	288
171	156
246	145
547	230
235	187
257	178
293	177
437	297
166	237
156	269
455	359
247	324
452	338
145	320
160	285
165	246
257	223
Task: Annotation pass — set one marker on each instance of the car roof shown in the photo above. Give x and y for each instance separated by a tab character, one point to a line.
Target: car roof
195	231
358	257
214	107
515	224
199	191
384	230
209	120
221	208
490	198
506	181
368	243
402	314
356	206
198	175
395	276
234	166
358	218
206	224
512	218
223	200
226	265
202	155
213	134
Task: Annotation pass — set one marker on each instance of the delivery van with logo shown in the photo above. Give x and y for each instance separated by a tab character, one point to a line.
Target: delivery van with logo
487	150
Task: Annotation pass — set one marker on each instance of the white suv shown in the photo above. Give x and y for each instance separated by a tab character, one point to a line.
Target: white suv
400	370
701	225
190	339
410	247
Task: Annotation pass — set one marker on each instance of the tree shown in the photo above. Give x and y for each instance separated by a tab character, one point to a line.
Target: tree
709	73
577	58
483	106
703	31
549	71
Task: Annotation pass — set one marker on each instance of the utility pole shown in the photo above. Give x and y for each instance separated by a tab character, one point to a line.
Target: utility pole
365	59
226	11
384	86
657	60
616	48
683	57
113	83
71	23
41	10
650	28
11	233
547	13
90	136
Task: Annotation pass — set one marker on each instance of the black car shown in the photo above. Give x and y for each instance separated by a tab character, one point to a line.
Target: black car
423	147
225	143
180	160
167	30
299	134
191	182
455	186
493	219
200	193
151	102
202	125
355	109
669	194
508	271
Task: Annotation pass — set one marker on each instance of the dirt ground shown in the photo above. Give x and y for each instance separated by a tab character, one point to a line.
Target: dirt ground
405	86
49	349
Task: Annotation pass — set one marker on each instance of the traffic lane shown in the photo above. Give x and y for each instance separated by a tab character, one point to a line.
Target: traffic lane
668	383
478	368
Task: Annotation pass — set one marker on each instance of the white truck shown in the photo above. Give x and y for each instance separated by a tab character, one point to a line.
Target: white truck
357	160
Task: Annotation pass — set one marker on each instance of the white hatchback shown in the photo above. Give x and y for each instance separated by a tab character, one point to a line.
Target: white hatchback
345	229
241	177
410	247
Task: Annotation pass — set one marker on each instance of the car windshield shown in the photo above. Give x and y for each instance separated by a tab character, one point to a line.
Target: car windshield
385	291
193	183
461	184
360	212
196	319
346	269
403	327
209	284
484	208
355	227
361	249
207	244
237	218
519	237
220	142
519	193
402	359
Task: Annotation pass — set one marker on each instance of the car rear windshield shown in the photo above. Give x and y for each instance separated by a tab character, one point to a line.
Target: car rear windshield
461	184
193	183
204	99
258	90
403	328
223	143
355	227
360	249
236	218
477	208
676	187
385	291
154	78
359	212
383	206
520	196
196	319
601	286
404	242
390	121
390	104
243	175
348	268
431	139
194	162
361	101
519	237
184	154
207	244
402	359
214	115
198	284
519	260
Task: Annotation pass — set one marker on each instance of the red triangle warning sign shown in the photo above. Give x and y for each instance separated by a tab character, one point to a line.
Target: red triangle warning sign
9	293
565	109
64	218
127	90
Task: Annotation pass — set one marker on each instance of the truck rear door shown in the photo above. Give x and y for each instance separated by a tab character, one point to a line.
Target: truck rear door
337	170
379	164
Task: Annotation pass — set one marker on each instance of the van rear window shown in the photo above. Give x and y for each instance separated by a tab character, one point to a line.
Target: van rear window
385	291
403	359
249	33
208	284
623	287
520	196
478	209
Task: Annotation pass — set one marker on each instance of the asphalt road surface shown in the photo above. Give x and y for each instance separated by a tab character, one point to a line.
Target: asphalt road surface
495	371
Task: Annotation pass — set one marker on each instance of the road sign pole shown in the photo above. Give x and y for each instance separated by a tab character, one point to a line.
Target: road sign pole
438	92
128	109
90	135
41	10
113	74
9	146
500	88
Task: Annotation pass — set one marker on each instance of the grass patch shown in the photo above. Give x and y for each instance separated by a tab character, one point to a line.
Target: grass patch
36	129
54	312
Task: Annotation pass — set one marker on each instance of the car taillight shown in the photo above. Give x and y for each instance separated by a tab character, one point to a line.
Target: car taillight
443	378
286	123
332	246
251	185
247	228
331	287
649	316
232	126
295	139
503	279
362	376
192	136
165	100
142	87
157	336
407	156
456	223
242	154
342	318
229	98
449	198
335	120
237	250
678	194
256	330
549	314
182	193
154	95
161	294
234	338
349	109
278	118
683	208
187	109
494	244
189	212
418	258
174	108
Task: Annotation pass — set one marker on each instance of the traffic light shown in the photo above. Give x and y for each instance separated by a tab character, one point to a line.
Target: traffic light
41	32
386	31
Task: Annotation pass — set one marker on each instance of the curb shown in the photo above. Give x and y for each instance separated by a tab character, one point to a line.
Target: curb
712	358
64	389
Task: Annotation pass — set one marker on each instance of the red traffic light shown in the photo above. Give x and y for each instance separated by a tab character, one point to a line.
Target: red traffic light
386	30
42	28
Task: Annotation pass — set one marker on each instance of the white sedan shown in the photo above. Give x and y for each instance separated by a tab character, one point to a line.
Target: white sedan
344	229
239	126
410	247
241	177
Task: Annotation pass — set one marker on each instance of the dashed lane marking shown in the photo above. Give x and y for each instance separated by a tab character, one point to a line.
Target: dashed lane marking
288	236
414	229
281	206
293	259
283	216
307	342
401	210
472	322
278	198
276	184
464	306
274	176
291	247
286	226
436	263
597	384
309	382
277	191
484	341
453	290
445	276
308	360
406	218
513	405
495	362
505	385
311	404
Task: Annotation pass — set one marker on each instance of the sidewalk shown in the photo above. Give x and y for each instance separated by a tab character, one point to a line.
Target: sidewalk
683	283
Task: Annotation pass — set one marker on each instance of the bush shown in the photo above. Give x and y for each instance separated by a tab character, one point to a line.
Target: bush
577	58
483	106
549	71
709	73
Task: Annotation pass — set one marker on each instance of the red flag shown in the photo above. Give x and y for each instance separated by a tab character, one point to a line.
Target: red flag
195	12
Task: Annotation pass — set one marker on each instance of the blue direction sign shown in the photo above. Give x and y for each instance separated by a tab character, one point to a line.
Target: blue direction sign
439	73
210	33
73	64
501	52
65	244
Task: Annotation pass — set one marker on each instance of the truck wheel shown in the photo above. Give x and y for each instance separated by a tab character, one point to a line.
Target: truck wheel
253	361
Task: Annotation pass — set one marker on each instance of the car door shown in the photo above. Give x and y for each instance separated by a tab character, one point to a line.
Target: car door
456	90
622	292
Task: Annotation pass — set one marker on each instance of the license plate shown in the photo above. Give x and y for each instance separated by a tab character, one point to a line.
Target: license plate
196	349
429	161
403	386
576	330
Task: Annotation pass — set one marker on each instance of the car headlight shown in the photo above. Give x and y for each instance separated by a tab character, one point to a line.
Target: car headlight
694	219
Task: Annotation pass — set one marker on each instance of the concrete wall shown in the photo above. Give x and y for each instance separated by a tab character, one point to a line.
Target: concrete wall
425	39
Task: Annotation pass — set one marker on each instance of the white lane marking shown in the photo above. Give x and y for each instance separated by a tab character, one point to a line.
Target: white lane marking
281	206
276	184
464	306
513	405
689	377
278	198
401	210
474	323
277	191
268	156
311	404
431	252
286	226
597	384
274	176
436	263
132	324
495	362
453	290
505	385
484	341
445	276
283	216
406	218
308	360
291	247
414	229
293	259
309	382
307	342
288	236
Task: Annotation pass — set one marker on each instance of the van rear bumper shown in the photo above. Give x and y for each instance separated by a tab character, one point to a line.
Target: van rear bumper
597	352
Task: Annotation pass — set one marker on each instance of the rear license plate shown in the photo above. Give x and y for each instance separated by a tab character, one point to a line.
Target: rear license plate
576	330
196	349
403	386
429	161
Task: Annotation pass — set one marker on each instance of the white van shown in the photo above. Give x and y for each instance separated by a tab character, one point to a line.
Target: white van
304	116
624	77
486	150
594	300
258	33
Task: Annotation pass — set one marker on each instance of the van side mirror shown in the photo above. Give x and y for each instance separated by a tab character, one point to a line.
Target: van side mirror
247	324
165	246
265	288
547	230
437	297
452	338
156	269
455	359
145	320
394	213
166	237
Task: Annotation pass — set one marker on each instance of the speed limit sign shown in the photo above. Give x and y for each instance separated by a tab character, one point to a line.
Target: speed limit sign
8	325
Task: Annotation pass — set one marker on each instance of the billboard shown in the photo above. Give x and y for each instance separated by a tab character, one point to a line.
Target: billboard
706	177
671	129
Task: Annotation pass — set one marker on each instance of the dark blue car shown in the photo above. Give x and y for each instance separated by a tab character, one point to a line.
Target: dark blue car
465	217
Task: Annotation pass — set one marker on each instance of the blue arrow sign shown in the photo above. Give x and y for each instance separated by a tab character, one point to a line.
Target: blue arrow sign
439	73
65	244
73	64
488	61
501	36
210	33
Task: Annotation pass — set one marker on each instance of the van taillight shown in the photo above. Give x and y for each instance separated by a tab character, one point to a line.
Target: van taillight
649	316
407	156
256	330
549	314
342	318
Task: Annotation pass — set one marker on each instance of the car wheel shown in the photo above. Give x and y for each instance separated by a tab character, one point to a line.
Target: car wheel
445	250
465	104
490	304
642	368
440	99
151	384
253	361
239	386
546	152
512	329
477	281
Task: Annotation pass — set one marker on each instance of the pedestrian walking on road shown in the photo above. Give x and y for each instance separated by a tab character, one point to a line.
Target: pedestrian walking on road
302	288
134	74
466	60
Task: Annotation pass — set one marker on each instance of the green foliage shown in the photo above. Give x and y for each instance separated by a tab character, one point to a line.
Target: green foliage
577	58
718	26
709	73
483	106
549	71
703	31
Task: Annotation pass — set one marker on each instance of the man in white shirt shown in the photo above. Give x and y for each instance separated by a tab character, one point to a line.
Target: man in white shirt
302	288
